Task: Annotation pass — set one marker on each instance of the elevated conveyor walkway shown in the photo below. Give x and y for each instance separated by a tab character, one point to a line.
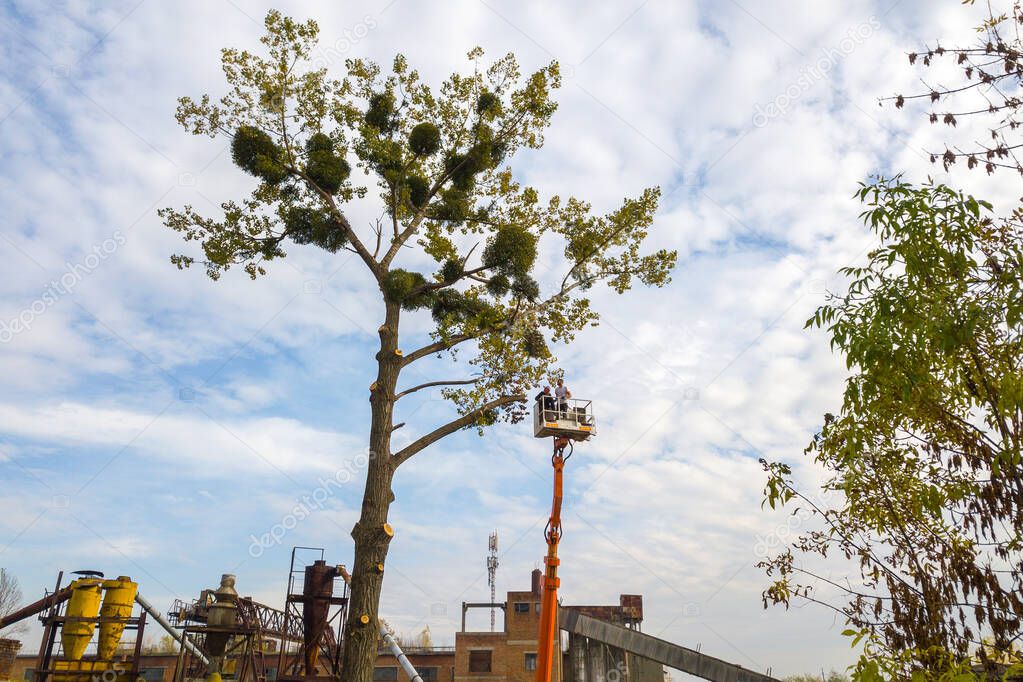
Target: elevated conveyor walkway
672	655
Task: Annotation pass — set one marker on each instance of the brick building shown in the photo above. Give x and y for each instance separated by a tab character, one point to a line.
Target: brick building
434	664
509	654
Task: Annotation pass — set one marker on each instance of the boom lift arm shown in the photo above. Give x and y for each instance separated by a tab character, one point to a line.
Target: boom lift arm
549	601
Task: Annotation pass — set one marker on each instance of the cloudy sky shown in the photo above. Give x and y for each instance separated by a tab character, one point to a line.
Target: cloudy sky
157	424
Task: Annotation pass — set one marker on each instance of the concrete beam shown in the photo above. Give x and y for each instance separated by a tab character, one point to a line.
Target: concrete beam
666	653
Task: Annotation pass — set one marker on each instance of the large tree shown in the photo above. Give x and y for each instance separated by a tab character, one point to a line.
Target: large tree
439	162
924	484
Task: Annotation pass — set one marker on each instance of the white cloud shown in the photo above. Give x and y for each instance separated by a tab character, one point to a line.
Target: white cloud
187	437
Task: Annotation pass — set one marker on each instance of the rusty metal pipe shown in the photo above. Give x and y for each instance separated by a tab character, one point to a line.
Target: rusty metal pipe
171	630
35	607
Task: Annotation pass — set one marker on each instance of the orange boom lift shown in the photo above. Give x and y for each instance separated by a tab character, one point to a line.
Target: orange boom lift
566	422
549	603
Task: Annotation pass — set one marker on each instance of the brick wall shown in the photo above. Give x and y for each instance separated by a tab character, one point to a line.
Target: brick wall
152	668
511	652
433	665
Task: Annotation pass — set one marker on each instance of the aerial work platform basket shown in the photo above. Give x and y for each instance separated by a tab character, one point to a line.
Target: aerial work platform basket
568	418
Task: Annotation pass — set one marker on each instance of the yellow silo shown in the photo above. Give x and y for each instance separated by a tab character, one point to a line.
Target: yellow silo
117	603
83	606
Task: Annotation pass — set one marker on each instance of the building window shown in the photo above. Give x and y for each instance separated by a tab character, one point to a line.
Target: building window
538	607
479	661
152	674
428	674
271	673
521	607
385	674
29	674
530	662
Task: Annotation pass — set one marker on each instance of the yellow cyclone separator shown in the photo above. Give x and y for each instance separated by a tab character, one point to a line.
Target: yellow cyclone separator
84	603
117	603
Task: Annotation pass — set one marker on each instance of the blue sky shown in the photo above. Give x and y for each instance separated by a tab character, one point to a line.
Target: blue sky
153	422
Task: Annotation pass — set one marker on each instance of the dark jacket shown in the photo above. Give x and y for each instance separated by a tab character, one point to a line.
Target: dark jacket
546	400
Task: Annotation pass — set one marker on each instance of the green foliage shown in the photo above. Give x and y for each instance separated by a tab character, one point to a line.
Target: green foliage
499	285
511	251
380	113
486	154
488	103
424	139
878	663
607	248
463	169
406	288
418	190
535	345
923	461
327	170
454	206
255	152
385	157
452	270
314	226
319	142
526	288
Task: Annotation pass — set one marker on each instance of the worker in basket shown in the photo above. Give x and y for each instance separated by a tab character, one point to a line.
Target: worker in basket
562	394
545	401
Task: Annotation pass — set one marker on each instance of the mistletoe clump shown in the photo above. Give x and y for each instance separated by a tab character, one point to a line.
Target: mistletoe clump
380	113
313	226
325	168
255	152
424	140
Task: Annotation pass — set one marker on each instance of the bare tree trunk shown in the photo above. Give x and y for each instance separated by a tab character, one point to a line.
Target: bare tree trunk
371	534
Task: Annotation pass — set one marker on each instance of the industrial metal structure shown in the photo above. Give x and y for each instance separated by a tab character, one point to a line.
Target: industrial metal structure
322	592
255	642
74	613
492	575
224	634
654	649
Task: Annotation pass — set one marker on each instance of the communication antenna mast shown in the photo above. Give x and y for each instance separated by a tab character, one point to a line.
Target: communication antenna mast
492	575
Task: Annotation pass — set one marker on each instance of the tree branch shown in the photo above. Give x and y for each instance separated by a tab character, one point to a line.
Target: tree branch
436	347
465	420
434	383
357	244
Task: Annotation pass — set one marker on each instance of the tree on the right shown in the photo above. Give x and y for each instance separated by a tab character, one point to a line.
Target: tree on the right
923	486
990	79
